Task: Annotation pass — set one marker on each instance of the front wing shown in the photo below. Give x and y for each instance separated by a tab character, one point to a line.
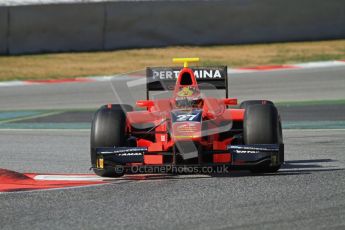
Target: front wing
235	157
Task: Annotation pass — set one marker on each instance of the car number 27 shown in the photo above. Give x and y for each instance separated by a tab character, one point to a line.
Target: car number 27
186	117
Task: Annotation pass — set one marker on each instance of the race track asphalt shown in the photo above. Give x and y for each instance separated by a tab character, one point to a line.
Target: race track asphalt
291	85
307	193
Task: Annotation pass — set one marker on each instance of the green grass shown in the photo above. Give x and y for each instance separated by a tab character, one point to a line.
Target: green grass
70	65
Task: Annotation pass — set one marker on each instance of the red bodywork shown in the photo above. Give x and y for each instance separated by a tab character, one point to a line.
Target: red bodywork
163	134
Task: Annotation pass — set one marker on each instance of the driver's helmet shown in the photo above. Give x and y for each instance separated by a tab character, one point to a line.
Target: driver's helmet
188	97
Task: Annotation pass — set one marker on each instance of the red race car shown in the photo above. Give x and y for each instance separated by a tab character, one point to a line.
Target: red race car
188	129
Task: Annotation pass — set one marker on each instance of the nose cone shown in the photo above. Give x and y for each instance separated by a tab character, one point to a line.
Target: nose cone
186	124
186	131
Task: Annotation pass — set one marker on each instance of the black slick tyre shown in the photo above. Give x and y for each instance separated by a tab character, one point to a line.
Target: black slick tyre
108	130
245	104
261	125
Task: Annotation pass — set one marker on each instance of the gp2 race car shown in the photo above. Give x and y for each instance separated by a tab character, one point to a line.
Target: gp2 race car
188	128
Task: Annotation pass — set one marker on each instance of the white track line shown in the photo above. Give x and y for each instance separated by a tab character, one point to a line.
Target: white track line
324	64
69	177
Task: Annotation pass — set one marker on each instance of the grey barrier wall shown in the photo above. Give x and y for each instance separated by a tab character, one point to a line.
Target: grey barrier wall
222	22
51	28
128	24
3	29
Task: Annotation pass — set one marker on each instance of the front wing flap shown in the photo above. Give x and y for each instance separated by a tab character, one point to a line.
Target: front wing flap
257	154
122	155
241	155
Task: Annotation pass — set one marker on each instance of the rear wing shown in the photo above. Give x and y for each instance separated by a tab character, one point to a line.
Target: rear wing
164	78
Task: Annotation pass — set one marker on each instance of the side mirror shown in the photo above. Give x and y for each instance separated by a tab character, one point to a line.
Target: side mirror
230	101
145	103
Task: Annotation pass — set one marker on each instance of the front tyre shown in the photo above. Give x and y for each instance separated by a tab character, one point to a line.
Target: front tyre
261	125
108	130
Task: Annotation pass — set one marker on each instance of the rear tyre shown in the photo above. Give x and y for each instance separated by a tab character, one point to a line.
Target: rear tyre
245	104
108	130
261	125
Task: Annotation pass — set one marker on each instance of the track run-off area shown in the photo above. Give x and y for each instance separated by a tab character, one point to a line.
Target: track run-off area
44	136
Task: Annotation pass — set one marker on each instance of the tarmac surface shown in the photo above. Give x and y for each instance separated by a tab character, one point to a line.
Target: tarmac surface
307	193
288	85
